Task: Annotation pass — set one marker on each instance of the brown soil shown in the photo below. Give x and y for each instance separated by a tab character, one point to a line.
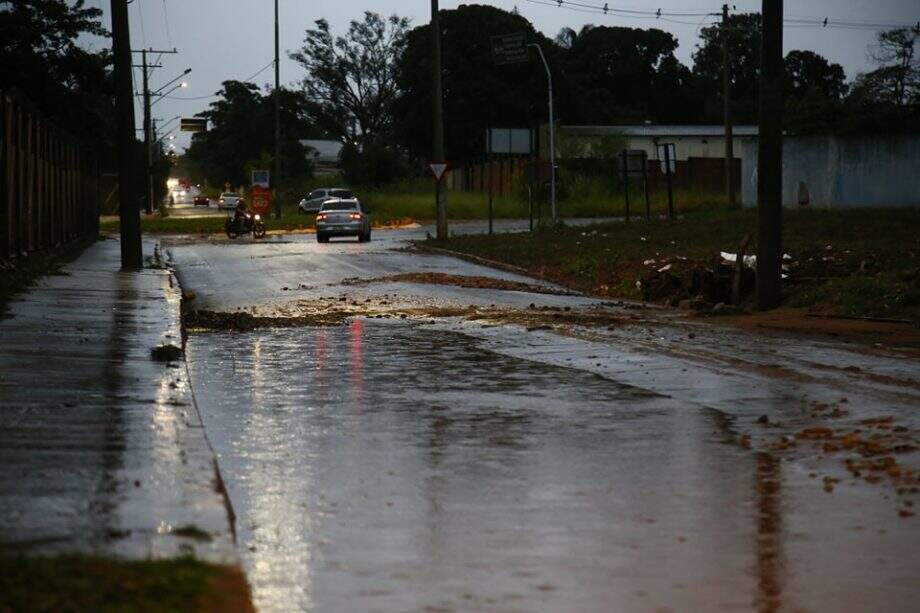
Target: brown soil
439	278
904	338
227	592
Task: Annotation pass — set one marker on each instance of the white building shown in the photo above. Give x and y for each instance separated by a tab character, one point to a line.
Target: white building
689	141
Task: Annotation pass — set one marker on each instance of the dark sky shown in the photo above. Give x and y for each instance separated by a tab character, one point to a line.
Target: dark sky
232	39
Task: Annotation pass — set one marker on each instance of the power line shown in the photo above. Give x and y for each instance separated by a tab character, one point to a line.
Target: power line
166	22
250	78
659	14
140	18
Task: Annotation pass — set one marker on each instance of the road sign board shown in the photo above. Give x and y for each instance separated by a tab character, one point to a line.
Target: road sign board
667	151
437	169
260	178
193	124
509	48
261	200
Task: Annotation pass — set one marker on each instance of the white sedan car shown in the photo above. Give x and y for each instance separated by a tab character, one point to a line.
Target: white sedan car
228	200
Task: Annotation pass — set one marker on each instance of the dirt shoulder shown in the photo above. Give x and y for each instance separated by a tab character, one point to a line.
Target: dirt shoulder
90	583
853	275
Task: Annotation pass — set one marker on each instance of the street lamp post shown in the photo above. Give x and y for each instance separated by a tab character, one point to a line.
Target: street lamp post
552	133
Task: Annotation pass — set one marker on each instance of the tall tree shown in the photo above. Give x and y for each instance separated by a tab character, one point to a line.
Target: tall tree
897	79
39	56
627	75
814	92
743	31
351	80
241	131
477	93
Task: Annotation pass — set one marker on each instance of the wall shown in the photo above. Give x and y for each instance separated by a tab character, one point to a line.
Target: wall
843	172
48	183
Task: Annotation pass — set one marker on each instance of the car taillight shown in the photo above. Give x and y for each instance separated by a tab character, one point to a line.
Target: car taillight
355	215
321	217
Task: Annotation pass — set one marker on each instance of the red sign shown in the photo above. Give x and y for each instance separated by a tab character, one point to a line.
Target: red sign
261	200
437	169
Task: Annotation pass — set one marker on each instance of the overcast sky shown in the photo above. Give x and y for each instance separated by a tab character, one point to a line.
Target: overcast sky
233	39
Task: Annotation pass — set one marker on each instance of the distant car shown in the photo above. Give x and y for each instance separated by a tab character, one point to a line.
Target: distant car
202	200
342	217
314	201
228	200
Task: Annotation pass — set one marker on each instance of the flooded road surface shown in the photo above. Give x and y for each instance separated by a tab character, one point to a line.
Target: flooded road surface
458	464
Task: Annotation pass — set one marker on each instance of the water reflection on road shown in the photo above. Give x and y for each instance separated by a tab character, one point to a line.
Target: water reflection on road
380	466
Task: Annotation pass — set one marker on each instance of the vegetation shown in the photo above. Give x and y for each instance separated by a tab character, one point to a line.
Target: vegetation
81	583
844	262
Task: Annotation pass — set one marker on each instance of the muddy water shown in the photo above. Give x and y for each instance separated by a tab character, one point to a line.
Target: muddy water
380	466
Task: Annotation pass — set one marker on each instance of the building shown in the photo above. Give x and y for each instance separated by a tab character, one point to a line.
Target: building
324	154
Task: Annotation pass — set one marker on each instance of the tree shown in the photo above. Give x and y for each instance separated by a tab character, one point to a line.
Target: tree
743	31
808	73
627	75
39	56
477	93
242	130
351	80
897	79
814	92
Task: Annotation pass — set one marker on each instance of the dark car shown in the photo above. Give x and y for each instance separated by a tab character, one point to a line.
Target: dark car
341	217
202	200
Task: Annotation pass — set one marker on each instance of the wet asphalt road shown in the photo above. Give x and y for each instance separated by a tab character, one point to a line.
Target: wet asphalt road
401	465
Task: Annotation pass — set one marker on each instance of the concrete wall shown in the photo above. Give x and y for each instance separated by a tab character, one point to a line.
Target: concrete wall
843	172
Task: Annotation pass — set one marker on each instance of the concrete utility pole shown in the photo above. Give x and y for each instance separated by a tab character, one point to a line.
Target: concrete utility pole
770	160
437	115
727	101
552	133
277	173
132	257
148	141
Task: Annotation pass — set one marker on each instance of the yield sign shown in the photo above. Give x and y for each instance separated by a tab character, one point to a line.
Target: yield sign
437	169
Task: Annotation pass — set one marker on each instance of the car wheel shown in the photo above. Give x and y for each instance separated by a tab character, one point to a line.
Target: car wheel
321	238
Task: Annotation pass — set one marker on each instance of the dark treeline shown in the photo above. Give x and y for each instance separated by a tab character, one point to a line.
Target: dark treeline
370	86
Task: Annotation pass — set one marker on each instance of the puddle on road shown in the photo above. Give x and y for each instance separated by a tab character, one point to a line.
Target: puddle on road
382	466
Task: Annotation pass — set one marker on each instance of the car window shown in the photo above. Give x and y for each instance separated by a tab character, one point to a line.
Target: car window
228	195
340	206
319	193
342	193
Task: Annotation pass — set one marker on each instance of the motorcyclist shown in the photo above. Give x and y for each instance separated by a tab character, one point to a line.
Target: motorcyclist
240	213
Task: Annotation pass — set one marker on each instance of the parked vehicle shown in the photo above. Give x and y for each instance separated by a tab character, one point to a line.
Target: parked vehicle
228	200
244	224
314	201
342	217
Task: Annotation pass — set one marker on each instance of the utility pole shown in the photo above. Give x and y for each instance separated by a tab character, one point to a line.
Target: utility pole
770	159
277	173
727	101
437	115
148	141
132	257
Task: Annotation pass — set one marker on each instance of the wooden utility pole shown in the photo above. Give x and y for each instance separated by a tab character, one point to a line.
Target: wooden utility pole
277	96
727	102
132	257
770	160
437	115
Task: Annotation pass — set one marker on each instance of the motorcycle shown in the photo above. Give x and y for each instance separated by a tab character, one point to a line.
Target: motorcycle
244	225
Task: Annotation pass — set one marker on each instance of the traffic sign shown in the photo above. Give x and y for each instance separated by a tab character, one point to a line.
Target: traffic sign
260	178
509	48
193	124
437	169
261	200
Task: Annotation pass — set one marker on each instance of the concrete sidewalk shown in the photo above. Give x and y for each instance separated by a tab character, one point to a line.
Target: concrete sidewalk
102	449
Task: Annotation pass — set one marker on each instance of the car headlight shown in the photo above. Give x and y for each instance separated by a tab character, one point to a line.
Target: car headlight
258	217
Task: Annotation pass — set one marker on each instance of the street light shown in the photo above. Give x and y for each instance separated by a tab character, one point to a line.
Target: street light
165	85
552	130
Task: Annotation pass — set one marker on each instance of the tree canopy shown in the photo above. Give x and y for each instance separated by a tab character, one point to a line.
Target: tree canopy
242	131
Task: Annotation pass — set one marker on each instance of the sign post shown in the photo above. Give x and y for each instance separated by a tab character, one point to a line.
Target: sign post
437	170
667	153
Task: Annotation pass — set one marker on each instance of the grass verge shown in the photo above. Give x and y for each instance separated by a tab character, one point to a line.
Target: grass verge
88	583
861	263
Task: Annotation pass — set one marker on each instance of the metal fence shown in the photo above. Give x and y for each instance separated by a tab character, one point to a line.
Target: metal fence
48	182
